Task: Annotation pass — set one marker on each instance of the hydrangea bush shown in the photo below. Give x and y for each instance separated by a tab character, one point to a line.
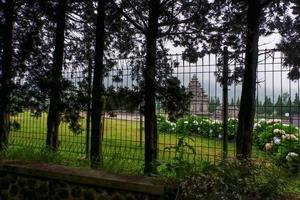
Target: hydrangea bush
195	125
280	140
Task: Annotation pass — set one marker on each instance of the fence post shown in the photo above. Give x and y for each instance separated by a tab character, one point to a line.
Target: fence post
88	113
141	126
225	102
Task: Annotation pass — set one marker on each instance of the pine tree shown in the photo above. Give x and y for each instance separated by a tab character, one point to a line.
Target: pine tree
296	105
279	106
259	107
98	88
288	107
238	101
53	119
288	27
6	40
268	106
255	14
212	105
218	102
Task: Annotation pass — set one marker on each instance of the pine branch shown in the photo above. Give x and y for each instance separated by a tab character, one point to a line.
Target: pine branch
120	10
169	33
74	19
137	12
266	3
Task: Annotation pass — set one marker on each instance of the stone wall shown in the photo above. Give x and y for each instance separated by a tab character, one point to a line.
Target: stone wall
40	181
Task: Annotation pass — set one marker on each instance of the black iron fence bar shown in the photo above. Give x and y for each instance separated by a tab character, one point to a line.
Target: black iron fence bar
225	102
88	112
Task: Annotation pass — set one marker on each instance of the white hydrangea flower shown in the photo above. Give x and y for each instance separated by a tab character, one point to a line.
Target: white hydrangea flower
290	137
257	125
262	121
217	122
279	132
186	122
173	124
276	140
269	147
291	155
206	120
274	121
277	121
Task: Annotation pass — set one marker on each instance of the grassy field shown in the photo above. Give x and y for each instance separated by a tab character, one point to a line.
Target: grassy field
122	141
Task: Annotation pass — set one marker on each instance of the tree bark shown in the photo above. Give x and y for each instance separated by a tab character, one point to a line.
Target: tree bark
151	136
247	105
56	76
98	88
6	72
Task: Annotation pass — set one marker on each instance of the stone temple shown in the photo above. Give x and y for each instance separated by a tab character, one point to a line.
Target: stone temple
199	101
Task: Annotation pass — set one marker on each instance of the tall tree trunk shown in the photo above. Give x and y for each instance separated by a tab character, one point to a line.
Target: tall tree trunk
151	136
56	76
247	105
98	87
6	73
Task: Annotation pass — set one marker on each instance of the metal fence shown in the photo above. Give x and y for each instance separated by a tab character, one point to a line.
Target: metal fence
123	134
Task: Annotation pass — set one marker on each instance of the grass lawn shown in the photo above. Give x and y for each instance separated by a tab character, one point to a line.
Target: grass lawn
121	141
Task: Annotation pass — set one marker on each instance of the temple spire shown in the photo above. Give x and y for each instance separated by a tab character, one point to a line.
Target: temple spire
194	77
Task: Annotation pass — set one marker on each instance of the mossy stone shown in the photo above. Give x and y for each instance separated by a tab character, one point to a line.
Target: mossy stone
63	193
43	188
76	191
13	190
31	183
130	196
4	184
89	195
12	178
3	195
104	196
29	195
117	196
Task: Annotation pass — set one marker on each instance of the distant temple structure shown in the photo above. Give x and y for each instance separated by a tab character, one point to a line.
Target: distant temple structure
232	110
199	102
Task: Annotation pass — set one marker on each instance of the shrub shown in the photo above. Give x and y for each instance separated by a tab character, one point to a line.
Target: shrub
195	125
164	125
180	165
234	181
280	140
232	128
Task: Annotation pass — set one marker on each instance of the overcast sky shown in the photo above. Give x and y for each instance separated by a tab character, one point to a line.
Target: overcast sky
272	75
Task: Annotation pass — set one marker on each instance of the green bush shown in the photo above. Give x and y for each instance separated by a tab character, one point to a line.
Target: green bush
232	128
193	125
234	181
180	165
279	140
164	125
196	125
